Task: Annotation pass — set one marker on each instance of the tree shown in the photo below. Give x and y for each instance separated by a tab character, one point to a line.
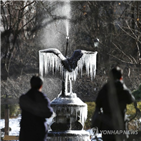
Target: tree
15	20
33	25
111	23
23	24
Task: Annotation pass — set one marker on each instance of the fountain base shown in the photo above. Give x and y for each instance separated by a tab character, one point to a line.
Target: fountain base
71	114
69	135
69	110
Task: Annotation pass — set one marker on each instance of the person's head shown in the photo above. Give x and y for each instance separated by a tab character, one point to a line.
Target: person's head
116	73
36	82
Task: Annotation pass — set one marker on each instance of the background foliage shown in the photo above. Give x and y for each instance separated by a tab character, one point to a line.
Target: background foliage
14	111
130	112
28	26
137	93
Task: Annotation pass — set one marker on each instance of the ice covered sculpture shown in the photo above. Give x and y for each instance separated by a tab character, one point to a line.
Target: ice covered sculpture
52	59
71	111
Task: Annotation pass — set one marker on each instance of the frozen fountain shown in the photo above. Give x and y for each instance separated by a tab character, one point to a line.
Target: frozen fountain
71	112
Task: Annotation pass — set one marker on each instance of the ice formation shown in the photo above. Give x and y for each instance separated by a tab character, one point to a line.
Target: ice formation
73	107
49	61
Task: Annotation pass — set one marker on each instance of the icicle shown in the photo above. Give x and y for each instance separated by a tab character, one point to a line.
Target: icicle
45	63
40	64
51	62
70	80
89	60
66	82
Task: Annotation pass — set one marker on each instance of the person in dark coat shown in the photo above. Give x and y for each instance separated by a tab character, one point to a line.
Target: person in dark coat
112	100
35	108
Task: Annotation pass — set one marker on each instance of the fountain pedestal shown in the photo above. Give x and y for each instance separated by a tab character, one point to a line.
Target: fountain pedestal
69	135
71	114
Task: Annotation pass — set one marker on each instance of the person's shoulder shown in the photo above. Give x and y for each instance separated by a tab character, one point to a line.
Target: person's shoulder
23	94
43	95
119	84
28	93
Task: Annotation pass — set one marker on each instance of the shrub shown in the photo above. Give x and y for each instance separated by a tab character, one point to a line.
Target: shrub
91	107
137	93
13	109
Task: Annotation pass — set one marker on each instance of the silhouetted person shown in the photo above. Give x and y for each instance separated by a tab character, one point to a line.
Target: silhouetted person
35	108
113	98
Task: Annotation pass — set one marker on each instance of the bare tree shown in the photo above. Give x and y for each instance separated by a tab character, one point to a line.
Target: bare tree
27	26
15	20
112	23
23	23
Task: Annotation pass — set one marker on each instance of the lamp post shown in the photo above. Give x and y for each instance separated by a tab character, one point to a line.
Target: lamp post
96	42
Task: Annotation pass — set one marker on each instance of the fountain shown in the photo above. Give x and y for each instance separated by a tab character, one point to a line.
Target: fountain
71	112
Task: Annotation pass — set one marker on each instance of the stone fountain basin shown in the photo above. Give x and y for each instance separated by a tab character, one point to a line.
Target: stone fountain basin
69	135
71	99
70	107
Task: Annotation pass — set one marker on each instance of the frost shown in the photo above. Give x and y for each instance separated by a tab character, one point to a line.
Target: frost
50	60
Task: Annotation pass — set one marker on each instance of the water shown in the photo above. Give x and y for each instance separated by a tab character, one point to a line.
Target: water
67	10
55	31
50	62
